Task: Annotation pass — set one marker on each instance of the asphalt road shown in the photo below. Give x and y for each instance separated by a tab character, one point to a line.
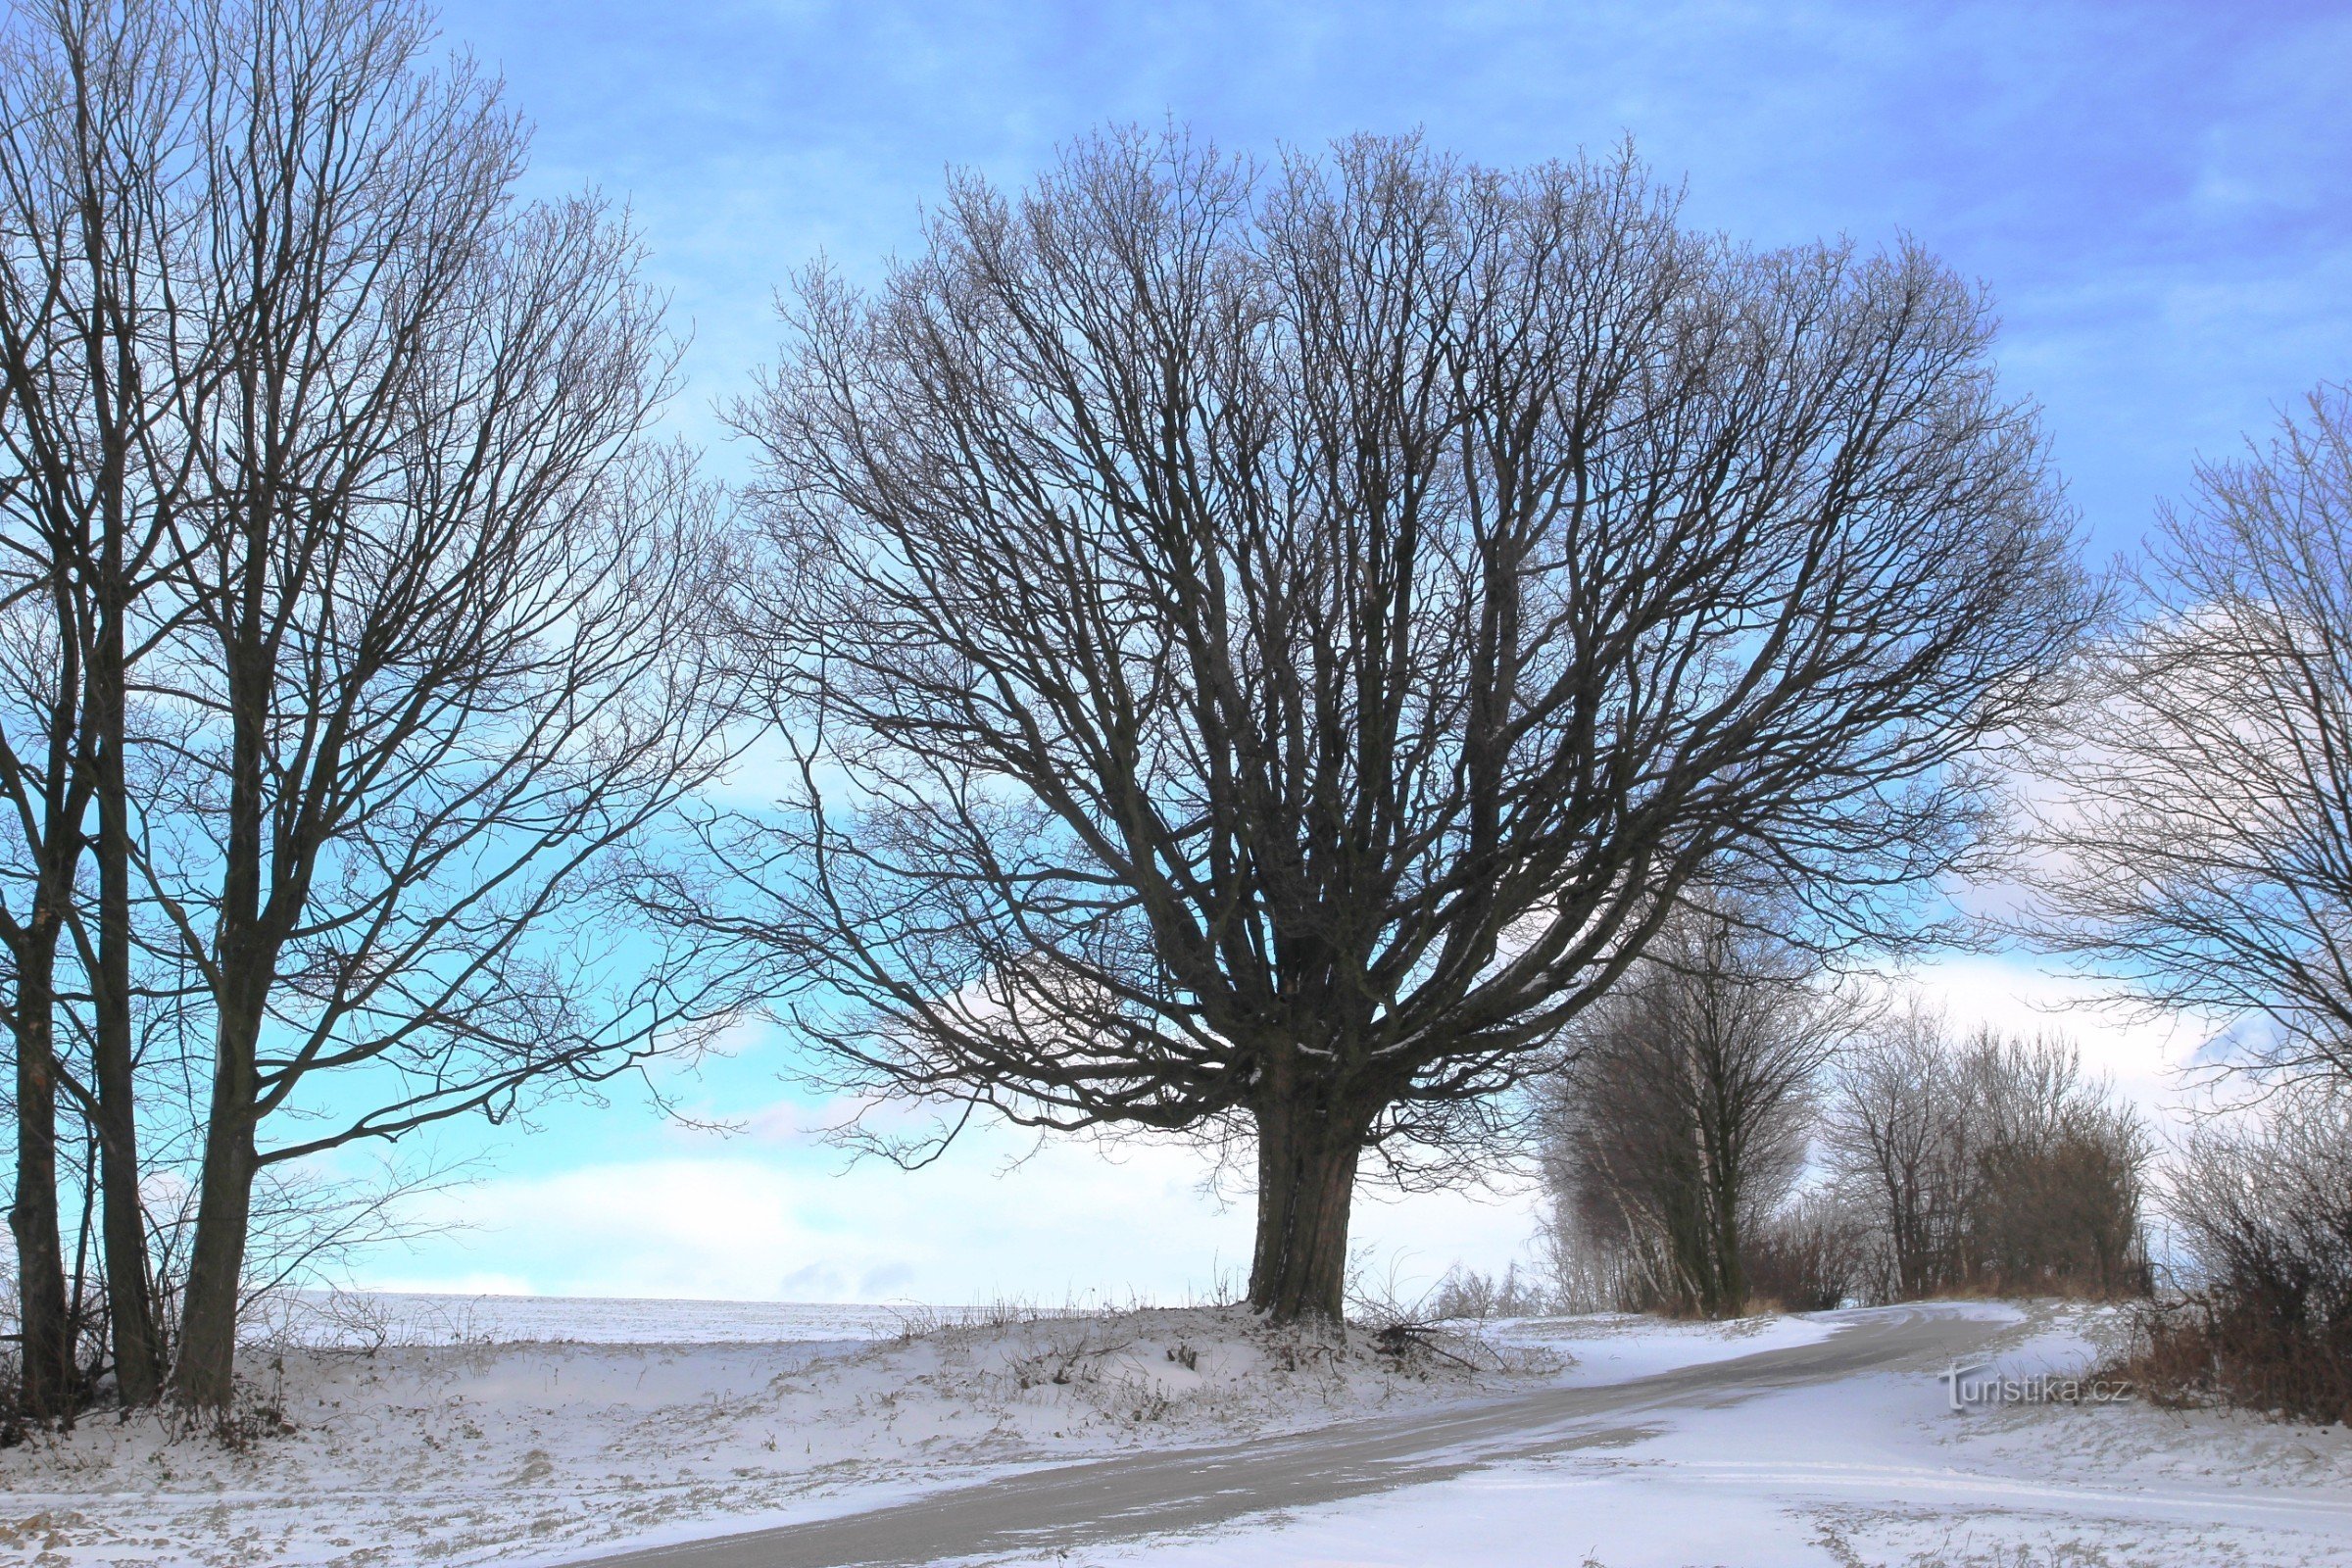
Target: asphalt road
1109	1500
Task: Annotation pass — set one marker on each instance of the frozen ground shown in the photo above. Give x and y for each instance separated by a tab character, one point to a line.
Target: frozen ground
595	1430
549	1431
1872	1471
399	1317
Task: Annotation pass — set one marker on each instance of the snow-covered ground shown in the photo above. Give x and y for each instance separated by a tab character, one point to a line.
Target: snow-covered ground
548	1428
360	1319
445	1431
1876	1471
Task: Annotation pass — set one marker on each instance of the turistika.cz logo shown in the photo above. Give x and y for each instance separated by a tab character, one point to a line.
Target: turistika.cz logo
1975	1383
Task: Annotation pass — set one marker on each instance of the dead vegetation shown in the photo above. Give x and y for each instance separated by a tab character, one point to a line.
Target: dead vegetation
2262	1209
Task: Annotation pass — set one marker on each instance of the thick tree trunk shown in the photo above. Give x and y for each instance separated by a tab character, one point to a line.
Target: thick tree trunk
1731	1273
1727	1280
204	1373
1307	1160
130	1300
46	1350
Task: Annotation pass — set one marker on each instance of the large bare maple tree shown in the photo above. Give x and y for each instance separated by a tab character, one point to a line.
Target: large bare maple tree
1264	650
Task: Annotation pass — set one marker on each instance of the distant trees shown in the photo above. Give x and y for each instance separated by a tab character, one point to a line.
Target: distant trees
1265	653
1899	1132
1990	1165
1681	1116
2061	1200
326	482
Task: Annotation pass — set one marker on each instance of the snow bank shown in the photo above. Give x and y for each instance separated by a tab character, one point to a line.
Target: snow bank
410	1453
551	1428
1872	1471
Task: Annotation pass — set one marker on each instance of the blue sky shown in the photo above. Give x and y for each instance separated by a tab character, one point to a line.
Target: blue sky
2156	195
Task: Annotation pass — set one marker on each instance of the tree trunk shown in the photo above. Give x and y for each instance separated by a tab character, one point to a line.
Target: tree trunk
130	1286
1683	1210
1731	1272
130	1300
1912	1270
47	1349
204	1375
1306	1160
1725	1293
204	1372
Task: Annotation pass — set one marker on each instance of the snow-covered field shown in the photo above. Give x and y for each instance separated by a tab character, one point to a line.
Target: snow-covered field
547	1428
360	1319
446	1430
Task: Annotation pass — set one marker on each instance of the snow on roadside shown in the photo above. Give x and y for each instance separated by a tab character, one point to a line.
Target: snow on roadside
410	1453
2224	1455
1618	1347
552	1429
1871	1471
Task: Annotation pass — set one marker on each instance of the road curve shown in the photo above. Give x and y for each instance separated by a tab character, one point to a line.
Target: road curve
1109	1500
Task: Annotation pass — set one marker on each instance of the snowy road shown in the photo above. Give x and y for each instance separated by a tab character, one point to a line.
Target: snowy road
1108	1503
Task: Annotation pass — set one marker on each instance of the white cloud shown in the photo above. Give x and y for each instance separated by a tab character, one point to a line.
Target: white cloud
760	1224
776	1217
2148	1059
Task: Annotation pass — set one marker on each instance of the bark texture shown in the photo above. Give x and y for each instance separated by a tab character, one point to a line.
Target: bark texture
1307	1169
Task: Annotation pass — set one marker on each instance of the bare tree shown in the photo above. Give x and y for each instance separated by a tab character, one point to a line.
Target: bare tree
2199	837
1990	1163
1897	1129
2059	1185
439	666
1810	1254
92	103
1265	652
1683	1112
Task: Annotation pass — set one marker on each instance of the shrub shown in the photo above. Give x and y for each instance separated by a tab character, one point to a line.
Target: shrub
1809	1256
1465	1292
2263	1211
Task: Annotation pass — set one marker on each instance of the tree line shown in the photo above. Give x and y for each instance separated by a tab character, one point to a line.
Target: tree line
350	638
1285	653
1727	1131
